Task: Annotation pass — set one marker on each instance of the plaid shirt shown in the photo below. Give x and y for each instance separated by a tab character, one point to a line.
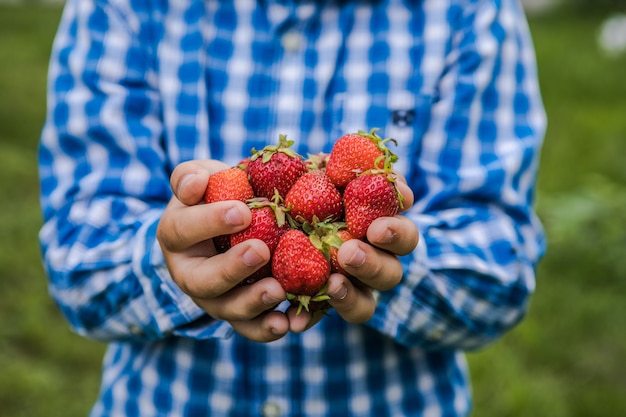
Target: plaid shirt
138	87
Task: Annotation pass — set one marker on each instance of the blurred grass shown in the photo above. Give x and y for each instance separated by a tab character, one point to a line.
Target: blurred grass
44	369
567	359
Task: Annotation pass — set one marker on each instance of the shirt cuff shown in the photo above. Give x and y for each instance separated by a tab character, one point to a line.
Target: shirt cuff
395	307
173	311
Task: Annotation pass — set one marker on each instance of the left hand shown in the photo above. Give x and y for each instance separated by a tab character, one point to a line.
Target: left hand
373	266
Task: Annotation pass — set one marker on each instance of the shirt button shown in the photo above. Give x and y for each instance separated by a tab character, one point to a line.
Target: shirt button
270	410
291	41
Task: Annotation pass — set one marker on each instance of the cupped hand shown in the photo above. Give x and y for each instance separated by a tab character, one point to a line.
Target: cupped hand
211	279
372	265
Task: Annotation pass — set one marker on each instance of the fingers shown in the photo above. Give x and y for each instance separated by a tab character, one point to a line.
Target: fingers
189	179
373	267
210	277
265	328
248	309
352	300
303	321
245	302
181	226
397	234
376	263
354	303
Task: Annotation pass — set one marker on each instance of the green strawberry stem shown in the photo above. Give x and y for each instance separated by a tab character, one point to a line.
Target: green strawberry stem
283	146
305	300
380	143
317	161
279	211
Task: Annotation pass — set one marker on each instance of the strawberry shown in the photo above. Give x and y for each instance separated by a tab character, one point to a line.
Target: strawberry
354	153
367	197
340	236
331	235
274	169
243	164
268	224
221	243
317	161
301	268
228	184
314	196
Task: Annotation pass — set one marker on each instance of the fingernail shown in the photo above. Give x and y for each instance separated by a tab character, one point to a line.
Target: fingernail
357	259
251	258
275	331
340	294
387	237
233	217
269	299
184	181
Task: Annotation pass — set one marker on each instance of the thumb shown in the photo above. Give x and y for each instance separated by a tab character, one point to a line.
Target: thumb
189	179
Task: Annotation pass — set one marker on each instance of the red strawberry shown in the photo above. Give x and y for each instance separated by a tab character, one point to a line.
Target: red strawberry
340	236
301	268
275	168
314	196
368	197
355	153
243	164
221	243
268	224
329	236
228	184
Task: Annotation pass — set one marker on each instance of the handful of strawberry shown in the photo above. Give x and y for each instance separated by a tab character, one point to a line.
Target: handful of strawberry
304	209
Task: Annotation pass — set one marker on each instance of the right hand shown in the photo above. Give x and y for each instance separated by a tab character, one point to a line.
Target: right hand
185	233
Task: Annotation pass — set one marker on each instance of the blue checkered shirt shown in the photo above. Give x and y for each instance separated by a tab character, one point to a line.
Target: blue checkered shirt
137	87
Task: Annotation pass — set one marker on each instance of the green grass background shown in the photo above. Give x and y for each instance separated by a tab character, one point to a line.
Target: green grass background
568	358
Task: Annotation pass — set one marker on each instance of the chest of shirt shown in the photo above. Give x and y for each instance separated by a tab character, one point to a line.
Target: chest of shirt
312	72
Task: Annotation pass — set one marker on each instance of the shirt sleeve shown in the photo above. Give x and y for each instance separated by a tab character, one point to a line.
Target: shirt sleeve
105	182
472	275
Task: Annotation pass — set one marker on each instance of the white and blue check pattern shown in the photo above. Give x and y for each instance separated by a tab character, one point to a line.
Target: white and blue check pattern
138	87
